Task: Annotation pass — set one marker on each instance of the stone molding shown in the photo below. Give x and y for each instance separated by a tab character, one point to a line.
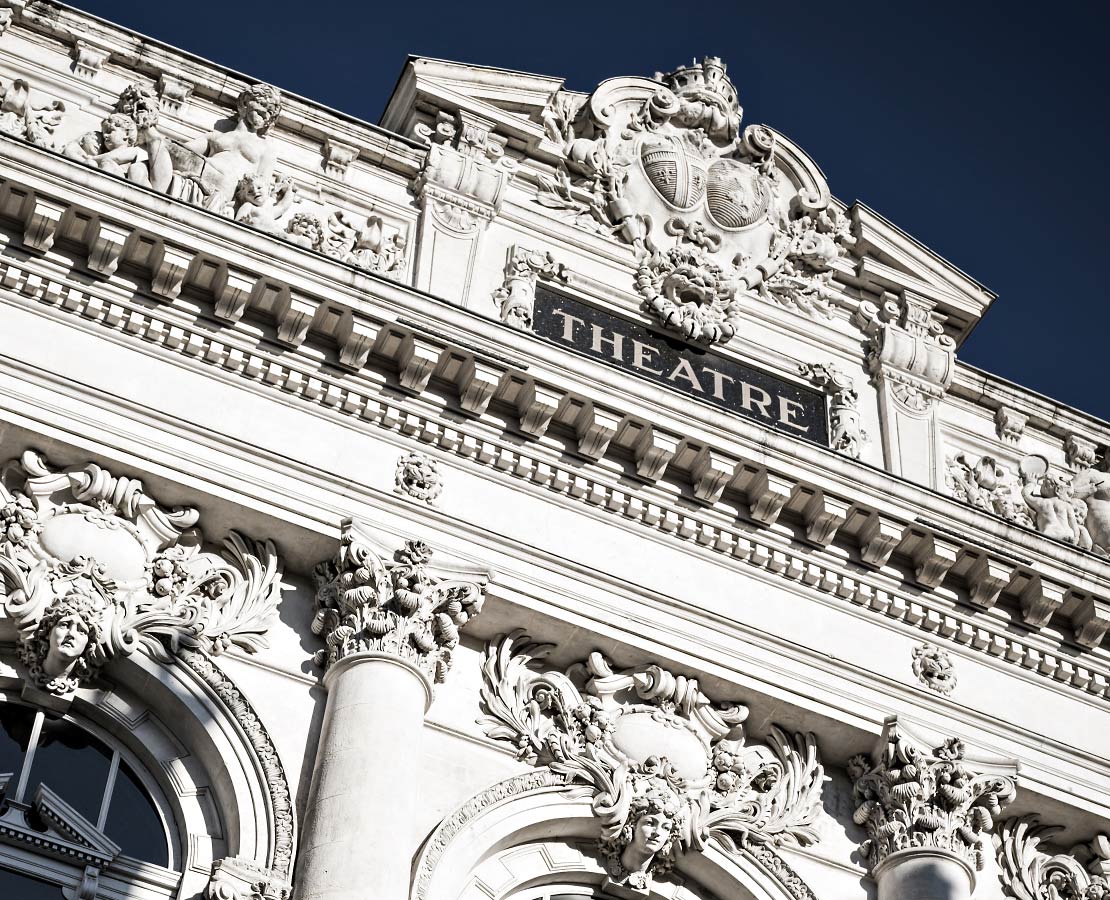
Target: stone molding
1028	872
878	534
94	568
239	879
479	381
399	607
912	798
651	747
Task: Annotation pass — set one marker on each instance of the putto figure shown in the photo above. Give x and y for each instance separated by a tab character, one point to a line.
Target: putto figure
64	649
113	149
209	169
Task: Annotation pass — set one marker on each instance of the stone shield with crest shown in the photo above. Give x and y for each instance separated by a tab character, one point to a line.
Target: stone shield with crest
737	195
679	179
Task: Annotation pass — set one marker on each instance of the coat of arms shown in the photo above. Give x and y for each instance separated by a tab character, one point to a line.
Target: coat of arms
715	216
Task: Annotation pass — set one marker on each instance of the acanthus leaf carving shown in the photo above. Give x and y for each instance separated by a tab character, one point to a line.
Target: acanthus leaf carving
1029	872
714	219
517	296
234	878
666	768
910	797
400	607
94	568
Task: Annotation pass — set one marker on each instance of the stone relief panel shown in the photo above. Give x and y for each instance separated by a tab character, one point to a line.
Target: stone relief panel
986	484
667	769
847	437
230	170
713	215
1029	872
94	568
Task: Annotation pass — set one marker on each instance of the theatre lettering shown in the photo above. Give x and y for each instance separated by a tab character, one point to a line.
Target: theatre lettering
732	385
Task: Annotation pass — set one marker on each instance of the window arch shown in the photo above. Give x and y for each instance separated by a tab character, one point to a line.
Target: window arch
78	811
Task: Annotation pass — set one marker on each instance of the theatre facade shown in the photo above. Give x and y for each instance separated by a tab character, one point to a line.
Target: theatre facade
539	495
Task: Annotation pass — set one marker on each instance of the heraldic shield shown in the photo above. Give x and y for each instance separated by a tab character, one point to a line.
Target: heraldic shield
679	179
737	195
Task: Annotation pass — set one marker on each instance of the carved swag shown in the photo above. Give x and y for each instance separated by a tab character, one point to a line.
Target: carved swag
666	768
94	568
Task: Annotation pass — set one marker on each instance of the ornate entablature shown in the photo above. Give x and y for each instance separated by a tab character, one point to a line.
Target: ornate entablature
716	218
94	568
667	769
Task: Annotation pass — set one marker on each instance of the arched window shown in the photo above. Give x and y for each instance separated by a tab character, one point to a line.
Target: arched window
76	811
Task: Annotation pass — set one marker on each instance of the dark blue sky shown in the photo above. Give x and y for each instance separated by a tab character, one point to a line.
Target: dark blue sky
978	128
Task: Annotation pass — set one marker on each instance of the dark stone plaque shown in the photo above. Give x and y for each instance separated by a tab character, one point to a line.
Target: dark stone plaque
738	387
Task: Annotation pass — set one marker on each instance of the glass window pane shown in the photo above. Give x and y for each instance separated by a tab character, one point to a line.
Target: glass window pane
15	732
133	821
19	886
73	764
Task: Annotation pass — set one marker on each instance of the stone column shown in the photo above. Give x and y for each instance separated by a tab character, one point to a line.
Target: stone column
390	627
926	813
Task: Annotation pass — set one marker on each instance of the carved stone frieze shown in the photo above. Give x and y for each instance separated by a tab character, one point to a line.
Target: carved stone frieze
418	476
986	484
517	296
1028	872
94	568
907	347
714	217
466	175
27	114
667	768
933	667
398	606
910	797
847	437
1056	509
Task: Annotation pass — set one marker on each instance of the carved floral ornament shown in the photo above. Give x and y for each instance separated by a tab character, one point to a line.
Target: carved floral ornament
1028	872
717	220
909	797
230	170
666	769
94	568
399	606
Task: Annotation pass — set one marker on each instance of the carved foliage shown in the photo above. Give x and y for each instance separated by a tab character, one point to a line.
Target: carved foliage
239	879
986	484
715	220
910	797
364	603
1028	872
667	769
93	567
517	296
847	435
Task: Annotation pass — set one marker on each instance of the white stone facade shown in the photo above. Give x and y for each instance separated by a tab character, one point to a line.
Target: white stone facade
385	513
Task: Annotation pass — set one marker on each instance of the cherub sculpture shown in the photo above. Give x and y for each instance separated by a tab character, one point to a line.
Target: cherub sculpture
262	201
113	149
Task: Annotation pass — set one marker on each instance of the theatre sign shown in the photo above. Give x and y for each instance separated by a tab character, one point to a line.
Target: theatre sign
728	383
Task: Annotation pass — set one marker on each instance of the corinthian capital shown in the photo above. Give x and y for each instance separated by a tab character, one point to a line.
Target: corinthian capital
398	606
909	797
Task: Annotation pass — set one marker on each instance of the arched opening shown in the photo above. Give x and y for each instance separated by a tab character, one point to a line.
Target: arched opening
528	838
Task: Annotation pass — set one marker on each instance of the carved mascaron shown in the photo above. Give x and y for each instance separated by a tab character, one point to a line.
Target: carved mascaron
93	568
667	769
717	220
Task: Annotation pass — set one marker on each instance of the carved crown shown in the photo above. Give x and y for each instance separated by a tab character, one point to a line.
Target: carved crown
707	81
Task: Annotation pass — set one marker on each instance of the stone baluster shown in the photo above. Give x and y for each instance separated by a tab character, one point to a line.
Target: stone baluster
926	813
390	626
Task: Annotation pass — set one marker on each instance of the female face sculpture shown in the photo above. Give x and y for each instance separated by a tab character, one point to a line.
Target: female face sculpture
62	652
